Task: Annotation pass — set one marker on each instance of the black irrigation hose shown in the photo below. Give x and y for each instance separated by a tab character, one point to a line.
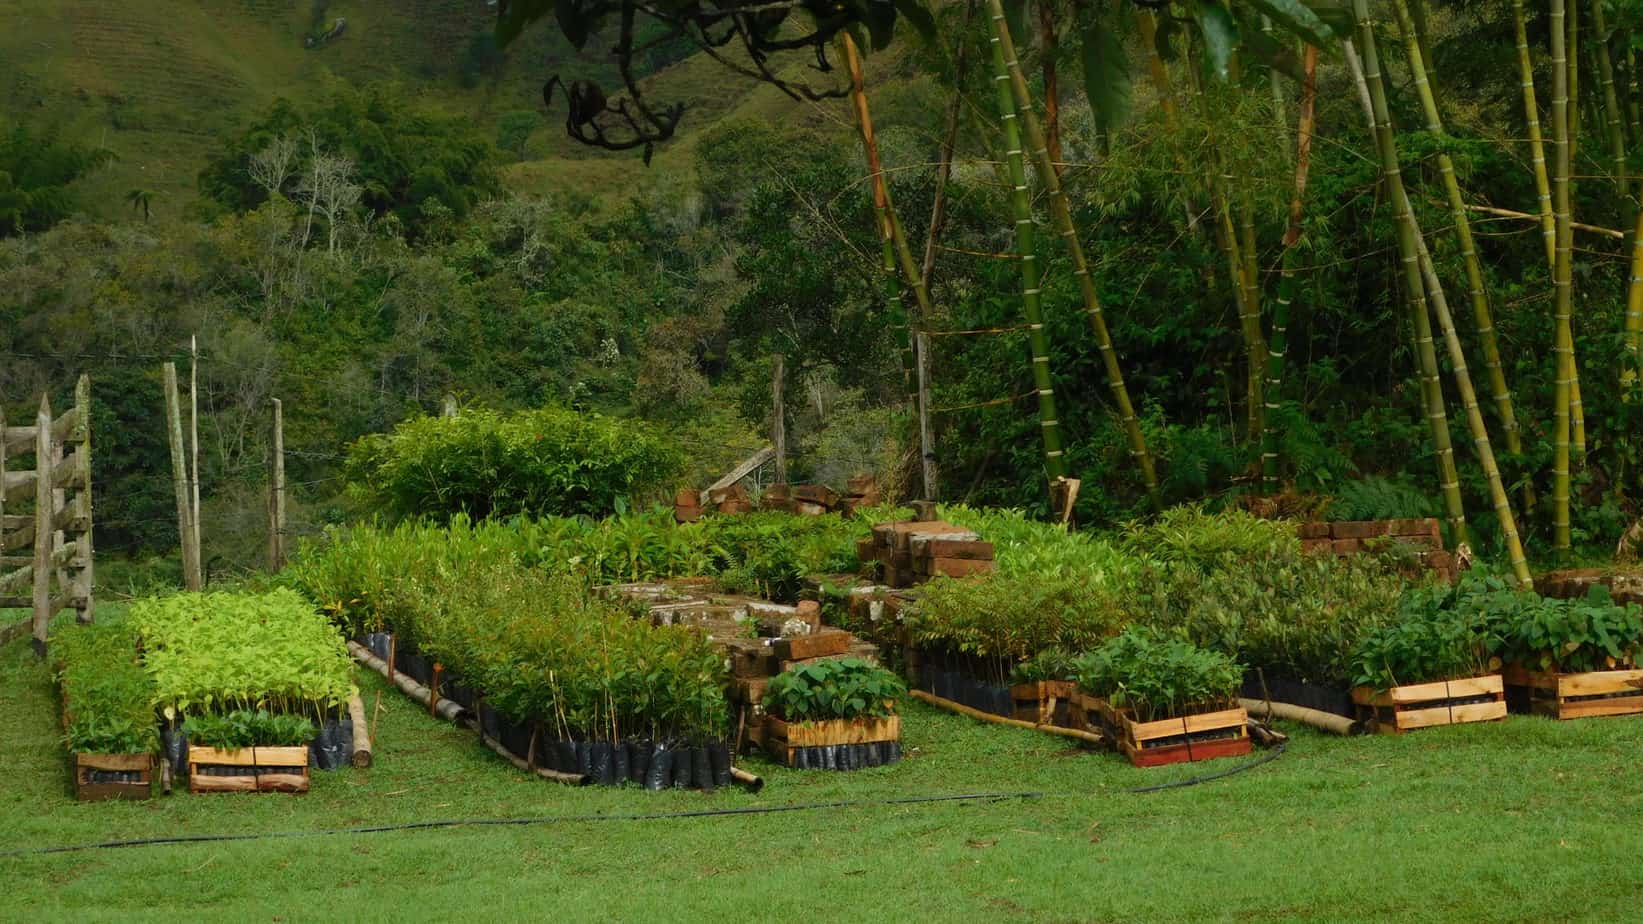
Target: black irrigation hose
655	816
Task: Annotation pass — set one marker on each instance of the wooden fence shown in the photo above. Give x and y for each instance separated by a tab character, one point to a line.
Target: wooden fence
45	516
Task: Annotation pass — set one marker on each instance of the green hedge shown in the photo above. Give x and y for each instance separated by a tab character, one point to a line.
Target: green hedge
484	463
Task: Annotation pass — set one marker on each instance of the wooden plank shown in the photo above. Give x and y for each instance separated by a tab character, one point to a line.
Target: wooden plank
42	525
66	426
1447	715
66	474
18	440
747	467
815	645
833	731
1428	692
1594	708
1185	725
249	757
16	520
1180	753
1598	683
114	762
200	782
18	484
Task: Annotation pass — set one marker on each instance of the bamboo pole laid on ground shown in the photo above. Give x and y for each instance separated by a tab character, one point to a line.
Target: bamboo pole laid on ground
362	732
179	475
962	709
1323	721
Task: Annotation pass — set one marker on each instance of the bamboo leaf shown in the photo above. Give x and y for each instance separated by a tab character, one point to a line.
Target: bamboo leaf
1106	76
1220	34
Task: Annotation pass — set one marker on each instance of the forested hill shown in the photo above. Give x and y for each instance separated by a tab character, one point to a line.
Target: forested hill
363	208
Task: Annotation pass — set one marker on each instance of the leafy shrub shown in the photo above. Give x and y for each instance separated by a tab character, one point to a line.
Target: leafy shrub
841	688
1205	541
1297	617
484	463
1157	677
542	648
1433	639
210	652
1378	498
1009	618
108	699
249	728
1024	546
1544	634
1054	663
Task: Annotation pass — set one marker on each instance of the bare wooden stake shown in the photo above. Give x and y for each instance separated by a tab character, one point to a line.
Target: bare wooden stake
276	495
194	442
778	416
84	559
43	515
179	471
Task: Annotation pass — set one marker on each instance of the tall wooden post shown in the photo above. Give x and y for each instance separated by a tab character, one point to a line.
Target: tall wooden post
778	416
179	471
194	440
84	577
926	434
44	514
276	493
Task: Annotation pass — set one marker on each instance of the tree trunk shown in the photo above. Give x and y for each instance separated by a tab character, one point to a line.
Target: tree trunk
1431	388
1055	463
1537	148
897	250
1277	343
1498	389
1062	212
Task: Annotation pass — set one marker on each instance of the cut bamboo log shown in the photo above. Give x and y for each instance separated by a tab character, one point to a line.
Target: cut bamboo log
445	708
1323	721
962	709
362	733
752	781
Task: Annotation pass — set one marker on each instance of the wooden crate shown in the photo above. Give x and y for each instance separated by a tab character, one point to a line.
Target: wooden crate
1576	696
1423	705
782	739
275	761
1202	736
1039	701
87	791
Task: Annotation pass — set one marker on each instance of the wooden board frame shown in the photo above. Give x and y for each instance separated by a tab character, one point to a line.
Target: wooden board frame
1040	700
1577	696
256	758
87	791
1427	705
782	738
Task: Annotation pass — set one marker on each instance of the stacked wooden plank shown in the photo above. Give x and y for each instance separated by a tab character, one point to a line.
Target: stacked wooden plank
913	551
1625	584
731	499
1350	537
687	506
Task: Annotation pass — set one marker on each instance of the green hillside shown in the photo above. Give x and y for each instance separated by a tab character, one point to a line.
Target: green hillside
157	82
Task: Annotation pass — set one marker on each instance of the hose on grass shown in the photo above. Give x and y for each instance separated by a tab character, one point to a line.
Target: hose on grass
653	816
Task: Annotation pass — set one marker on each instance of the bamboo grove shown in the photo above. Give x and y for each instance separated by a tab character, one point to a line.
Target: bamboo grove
1207	65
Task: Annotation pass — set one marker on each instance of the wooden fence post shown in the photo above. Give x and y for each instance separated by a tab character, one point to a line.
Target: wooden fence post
926	434
778	416
194	441
276	493
84	560
44	514
179	471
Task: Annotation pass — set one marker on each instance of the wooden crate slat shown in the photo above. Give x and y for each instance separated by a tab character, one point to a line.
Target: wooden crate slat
1180	753
114	762
1185	725
1599	683
1443	689
1450	715
1590	708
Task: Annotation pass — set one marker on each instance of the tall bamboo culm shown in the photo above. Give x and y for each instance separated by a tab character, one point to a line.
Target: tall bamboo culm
1615	120
1278	342
1563	344
1498	388
1537	147
1010	70
1571	125
1026	239
1632	370
1408	252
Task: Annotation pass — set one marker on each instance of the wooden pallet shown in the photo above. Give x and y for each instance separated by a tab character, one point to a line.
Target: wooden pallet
1040	700
87	791
1424	705
1576	696
782	739
1201	736
276	761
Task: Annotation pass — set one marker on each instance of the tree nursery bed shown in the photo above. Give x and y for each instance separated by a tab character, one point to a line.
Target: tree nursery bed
1068	855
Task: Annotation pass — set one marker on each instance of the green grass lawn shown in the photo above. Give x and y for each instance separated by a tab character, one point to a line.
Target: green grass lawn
1523	820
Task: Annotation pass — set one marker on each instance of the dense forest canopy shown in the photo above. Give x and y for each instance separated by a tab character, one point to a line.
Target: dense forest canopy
1296	224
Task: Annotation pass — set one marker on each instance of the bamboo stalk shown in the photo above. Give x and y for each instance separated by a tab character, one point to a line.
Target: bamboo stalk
1055	463
1633	367
179	471
1432	389
1537	149
1576	225
1010	73
1611	101
1278	342
962	709
1577	408
1496	372
443	708
1323	721
1562	282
